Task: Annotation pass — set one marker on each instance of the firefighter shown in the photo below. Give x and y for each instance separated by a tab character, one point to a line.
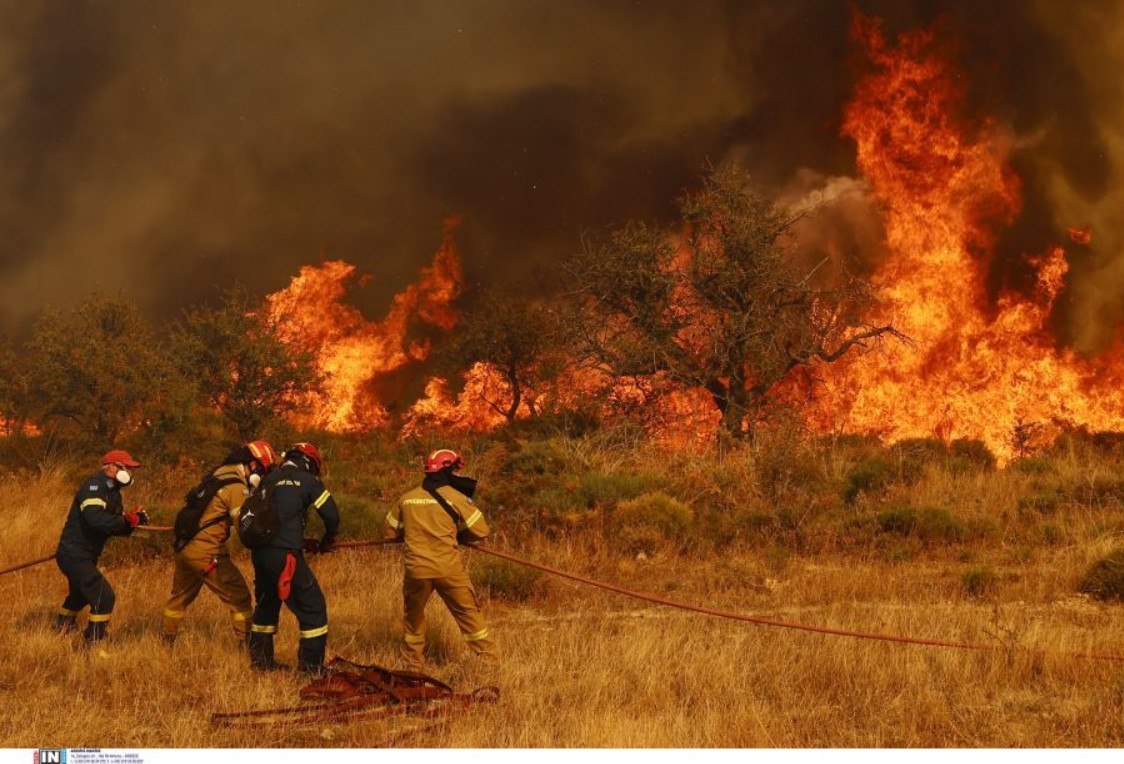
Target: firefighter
280	571
95	514
431	520
204	560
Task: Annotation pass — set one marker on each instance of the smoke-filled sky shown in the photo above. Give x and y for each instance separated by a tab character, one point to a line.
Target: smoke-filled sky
167	150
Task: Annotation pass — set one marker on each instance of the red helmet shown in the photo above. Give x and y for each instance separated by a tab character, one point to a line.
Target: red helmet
264	453
442	458
311	452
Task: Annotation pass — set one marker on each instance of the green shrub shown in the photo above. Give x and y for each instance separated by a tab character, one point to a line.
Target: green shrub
920	451
609	488
557	502
1052	535
726	527
1105	578
786	469
930	525
539	458
650	521
978	581
972	452
1033	465
1101	491
1044	501
868	475
901	521
505	580
360	518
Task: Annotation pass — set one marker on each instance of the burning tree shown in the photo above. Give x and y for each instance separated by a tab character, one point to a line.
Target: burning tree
720	307
517	342
245	371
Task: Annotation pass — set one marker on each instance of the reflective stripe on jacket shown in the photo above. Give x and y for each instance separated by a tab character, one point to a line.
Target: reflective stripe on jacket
96	513
429	533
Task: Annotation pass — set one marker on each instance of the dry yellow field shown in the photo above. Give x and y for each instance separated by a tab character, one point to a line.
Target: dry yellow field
587	668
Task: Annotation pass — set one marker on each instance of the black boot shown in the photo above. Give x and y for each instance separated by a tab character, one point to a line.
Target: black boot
96	631
310	655
65	624
261	653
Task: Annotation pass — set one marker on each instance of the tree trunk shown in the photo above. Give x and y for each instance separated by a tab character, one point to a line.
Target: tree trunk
730	400
516	396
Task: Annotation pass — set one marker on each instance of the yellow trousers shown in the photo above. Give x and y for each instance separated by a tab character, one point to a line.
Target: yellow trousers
196	568
458	595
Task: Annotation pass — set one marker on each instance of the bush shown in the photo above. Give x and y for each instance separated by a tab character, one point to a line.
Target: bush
979	581
868	475
648	522
537	458
1033	465
610	488
558	503
930	525
1101	491
506	580
360	518
974	453
1043	501
920	451
785	469
1105	578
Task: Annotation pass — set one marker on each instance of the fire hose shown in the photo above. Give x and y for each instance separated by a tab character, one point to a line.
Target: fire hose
645	597
48	558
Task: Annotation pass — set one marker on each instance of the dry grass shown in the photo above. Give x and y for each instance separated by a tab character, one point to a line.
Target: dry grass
587	668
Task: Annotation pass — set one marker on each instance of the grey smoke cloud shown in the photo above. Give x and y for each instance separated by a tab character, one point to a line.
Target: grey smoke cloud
168	149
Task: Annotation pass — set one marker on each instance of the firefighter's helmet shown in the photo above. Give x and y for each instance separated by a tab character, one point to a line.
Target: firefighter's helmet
264	453
443	458
308	454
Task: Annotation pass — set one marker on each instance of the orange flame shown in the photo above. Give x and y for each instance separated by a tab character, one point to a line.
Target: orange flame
973	369
352	352
1082	235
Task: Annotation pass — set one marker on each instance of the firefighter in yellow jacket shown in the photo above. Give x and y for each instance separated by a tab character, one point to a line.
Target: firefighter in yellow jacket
202	555
431	520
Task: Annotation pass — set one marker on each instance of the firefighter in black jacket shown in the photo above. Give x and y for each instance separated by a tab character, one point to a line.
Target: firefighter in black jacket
95	514
280	571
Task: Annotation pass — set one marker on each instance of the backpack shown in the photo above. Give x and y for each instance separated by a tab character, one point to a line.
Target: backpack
195	502
259	521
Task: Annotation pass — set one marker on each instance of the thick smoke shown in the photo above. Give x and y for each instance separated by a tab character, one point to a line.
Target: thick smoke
169	149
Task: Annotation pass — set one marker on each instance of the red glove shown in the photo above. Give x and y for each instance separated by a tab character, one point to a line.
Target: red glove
137	517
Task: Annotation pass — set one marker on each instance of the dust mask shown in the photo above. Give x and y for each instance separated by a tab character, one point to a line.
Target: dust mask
123	477
254	480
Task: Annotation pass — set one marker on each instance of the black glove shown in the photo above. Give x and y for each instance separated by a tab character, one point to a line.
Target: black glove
311	546
326	545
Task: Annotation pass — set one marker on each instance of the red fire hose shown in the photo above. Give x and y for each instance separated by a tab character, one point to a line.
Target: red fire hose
758	619
41	560
728	614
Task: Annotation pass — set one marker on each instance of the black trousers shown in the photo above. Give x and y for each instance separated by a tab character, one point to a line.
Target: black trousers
87	586
272	569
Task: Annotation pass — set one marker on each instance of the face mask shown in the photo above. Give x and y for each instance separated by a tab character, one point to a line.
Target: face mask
465	485
123	477
254	480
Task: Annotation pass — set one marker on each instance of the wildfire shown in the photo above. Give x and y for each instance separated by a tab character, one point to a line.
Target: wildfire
975	366
352	352
973	369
